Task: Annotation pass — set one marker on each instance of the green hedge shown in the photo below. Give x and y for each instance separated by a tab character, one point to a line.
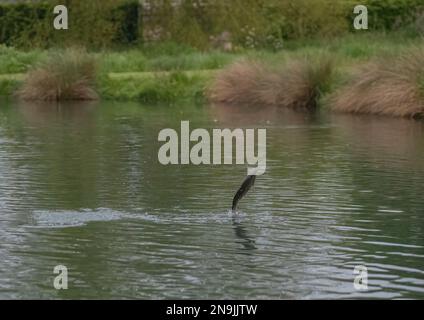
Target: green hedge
394	14
18	19
94	23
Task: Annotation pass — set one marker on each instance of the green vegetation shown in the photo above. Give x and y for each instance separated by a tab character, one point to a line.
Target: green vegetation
159	87
391	15
144	60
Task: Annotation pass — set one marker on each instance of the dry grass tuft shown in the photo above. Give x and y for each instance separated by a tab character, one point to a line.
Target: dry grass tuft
297	85
65	75
387	86
240	83
303	82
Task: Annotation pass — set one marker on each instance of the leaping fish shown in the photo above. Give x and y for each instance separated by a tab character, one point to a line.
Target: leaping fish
245	187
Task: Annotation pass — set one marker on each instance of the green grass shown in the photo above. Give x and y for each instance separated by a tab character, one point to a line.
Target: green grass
8	87
149	87
137	61
16	61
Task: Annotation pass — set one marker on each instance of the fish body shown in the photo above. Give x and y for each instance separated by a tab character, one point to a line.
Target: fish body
245	187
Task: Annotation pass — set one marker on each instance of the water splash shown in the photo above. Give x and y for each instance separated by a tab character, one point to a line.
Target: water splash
61	219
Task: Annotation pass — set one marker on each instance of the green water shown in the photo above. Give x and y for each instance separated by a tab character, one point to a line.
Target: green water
81	186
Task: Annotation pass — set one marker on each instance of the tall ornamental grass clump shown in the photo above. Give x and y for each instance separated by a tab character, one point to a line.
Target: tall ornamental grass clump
64	75
298	84
391	85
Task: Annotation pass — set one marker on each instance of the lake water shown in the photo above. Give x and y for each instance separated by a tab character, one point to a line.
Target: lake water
81	186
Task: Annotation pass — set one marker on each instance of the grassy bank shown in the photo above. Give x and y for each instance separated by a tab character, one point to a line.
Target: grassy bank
170	73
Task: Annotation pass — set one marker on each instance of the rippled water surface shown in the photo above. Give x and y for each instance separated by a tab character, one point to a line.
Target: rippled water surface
81	186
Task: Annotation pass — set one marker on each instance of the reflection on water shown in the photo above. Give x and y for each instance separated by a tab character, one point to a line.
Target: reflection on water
80	185
242	234
41	113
